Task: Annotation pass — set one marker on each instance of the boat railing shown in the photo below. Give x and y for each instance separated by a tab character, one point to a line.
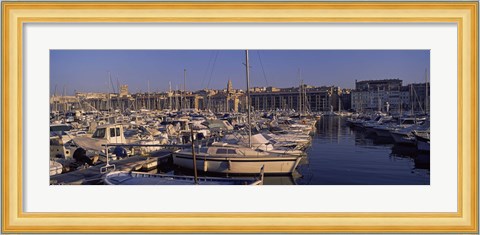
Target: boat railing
108	167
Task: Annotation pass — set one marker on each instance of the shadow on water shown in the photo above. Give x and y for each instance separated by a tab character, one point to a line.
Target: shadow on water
421	159
341	155
370	138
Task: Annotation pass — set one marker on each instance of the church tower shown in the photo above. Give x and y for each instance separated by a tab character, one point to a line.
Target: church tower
229	86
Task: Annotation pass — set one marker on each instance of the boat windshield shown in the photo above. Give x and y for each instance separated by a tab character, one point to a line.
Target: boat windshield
60	128
408	121
99	133
226	151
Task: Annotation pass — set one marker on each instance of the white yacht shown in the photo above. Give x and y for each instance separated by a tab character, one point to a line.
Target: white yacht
422	140
236	160
406	135
385	130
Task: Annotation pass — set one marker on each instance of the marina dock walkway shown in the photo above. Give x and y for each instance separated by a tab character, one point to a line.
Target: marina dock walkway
93	175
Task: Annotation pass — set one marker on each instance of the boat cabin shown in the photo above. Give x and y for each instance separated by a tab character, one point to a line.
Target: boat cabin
113	133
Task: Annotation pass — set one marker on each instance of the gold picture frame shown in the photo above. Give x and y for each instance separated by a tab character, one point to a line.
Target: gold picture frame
16	14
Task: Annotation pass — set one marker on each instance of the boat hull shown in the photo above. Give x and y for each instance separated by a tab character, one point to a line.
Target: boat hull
382	132
402	138
423	144
238	165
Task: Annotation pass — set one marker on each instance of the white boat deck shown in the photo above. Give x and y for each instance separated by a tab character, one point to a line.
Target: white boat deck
92	174
134	178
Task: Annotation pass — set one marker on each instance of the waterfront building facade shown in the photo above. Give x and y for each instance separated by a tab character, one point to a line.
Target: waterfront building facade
228	100
303	99
389	95
370	95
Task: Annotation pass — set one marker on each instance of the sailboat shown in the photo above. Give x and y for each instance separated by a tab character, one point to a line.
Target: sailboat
225	158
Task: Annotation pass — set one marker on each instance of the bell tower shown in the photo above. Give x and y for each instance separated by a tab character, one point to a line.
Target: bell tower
229	86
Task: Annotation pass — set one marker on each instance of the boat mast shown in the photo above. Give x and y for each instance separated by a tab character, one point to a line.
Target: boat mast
148	95
55	103
184	97
248	101
120	104
113	89
300	94
339	105
63	100
411	99
378	99
426	92
176	98
193	156
170	95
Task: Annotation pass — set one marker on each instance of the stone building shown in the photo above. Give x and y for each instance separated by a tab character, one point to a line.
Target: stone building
388	94
303	99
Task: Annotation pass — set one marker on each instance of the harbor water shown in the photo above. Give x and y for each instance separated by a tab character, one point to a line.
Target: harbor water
338	155
342	155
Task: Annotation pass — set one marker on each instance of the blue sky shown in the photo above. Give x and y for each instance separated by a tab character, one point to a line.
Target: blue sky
88	70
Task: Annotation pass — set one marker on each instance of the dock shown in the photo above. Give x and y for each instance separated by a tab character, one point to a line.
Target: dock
93	175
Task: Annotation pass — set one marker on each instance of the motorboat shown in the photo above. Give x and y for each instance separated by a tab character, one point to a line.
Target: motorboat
385	130
423	140
406	135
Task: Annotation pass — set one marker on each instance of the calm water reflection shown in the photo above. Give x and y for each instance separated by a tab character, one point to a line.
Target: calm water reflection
340	155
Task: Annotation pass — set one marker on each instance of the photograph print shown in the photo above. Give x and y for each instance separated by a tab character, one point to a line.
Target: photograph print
239	117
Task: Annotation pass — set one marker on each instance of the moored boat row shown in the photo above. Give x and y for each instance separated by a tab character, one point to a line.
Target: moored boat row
228	143
406	130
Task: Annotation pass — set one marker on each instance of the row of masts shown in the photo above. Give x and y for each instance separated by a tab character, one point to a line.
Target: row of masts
303	102
248	121
302	98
